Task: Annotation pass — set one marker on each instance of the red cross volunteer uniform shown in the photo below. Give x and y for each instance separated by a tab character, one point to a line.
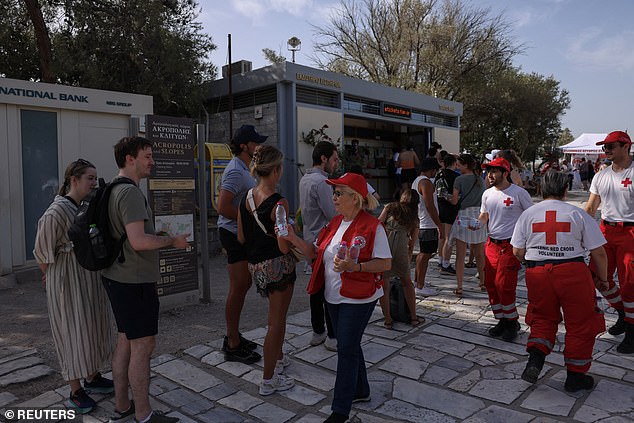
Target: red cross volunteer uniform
556	237
616	190
501	266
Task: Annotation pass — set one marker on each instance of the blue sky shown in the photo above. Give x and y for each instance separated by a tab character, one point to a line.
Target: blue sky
588	45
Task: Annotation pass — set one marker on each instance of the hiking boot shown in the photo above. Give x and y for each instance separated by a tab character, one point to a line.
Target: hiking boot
318	338
99	385
510	330
619	327
577	381
627	346
534	366
242	355
448	270
244	343
80	401
331	344
498	329
160	417
275	384
123	416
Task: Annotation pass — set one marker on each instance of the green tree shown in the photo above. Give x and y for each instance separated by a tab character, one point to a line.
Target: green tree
565	137
272	57
18	49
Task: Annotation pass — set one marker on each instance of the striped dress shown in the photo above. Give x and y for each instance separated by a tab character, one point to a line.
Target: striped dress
78	307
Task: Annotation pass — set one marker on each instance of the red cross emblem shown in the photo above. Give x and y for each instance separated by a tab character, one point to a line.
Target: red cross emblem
551	227
626	182
508	201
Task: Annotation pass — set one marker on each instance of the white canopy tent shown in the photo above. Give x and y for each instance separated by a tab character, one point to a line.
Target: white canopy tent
584	144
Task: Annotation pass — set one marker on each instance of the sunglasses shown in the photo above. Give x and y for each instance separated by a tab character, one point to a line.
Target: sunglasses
338	193
608	147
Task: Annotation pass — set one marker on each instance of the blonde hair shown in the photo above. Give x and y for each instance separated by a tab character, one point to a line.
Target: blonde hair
265	160
370	202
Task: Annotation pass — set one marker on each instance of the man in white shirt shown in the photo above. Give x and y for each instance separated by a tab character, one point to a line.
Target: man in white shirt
553	237
613	187
501	206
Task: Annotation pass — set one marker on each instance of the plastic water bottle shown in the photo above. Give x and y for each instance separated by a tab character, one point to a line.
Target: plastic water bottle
280	220
355	249
342	250
96	240
468	222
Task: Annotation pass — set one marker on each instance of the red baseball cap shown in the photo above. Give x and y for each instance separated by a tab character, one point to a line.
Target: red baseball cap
616	136
500	162
352	180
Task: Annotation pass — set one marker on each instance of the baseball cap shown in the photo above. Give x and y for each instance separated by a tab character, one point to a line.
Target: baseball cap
492	155
429	163
352	180
616	136
500	162
247	133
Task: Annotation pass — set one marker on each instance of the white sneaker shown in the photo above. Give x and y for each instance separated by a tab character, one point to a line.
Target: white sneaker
318	338
425	292
282	364
275	384
331	344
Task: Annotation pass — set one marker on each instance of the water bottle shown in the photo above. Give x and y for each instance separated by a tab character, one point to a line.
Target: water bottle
96	241
355	248
342	250
280	219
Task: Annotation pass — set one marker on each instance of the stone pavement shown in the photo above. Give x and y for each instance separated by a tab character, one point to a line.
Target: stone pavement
447	370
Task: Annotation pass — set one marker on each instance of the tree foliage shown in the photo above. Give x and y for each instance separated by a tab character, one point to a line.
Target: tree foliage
447	49
272	57
142	46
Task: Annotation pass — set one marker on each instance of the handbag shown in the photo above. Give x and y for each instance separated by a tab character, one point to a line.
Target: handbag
293	249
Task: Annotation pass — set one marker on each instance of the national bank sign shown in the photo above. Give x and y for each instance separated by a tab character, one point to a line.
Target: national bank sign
49	95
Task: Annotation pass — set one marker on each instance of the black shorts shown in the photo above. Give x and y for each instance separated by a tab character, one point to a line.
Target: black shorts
235	250
428	240
135	307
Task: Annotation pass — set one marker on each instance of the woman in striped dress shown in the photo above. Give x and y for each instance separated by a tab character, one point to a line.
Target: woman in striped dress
78	309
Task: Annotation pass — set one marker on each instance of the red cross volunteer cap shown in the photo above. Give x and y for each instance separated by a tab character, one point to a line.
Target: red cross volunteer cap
500	162
352	180
616	136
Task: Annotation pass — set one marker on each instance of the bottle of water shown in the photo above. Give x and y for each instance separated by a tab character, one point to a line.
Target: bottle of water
342	250
280	219
468	222
96	240
355	248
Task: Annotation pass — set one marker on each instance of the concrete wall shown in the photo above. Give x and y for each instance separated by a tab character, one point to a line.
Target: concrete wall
267	125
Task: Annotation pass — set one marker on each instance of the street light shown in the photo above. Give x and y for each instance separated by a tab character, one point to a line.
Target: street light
294	44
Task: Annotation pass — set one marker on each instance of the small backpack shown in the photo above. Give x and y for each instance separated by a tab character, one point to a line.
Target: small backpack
398	305
94	211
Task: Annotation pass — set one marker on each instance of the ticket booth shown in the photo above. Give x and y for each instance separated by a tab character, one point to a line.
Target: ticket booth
217	157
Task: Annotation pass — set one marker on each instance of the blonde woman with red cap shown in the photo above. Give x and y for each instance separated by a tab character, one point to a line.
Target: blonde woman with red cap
352	287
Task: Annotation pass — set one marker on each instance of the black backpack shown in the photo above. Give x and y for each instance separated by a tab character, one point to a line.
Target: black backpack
398	305
94	211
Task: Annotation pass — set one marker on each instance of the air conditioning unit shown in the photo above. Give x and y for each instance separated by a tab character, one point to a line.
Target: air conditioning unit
240	67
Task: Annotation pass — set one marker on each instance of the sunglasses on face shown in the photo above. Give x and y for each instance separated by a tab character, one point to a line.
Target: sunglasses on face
608	147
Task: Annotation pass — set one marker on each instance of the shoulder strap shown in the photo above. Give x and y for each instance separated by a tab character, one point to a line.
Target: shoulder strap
253	211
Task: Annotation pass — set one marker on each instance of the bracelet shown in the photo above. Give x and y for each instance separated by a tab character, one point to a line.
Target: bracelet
360	268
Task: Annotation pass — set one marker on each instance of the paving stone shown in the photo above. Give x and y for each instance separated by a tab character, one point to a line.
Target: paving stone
213	358
441	400
220	414
300	319
240	401
219	391
454	363
466	382
389	342
303	395
20	363
612	397
311	418
255	334
472	338
405	411
496	414
494	373
297	330
235	368
42	401
617	360
312	376
442	343
629	377
190	402
270	413
379	393
301	341
549	401
589	414
164	358
380	376
160	385
315	354
7	398
383	332
504	391
198	351
485	357
183	418
24	375
11	353
367	418
439	375
428	355
188	375
405	366
607	370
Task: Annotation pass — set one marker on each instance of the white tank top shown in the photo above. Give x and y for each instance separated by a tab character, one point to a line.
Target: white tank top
425	219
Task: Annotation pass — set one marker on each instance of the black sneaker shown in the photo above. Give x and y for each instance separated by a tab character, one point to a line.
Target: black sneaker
242	355
160	417
449	270
336	418
99	385
510	330
498	329
120	417
619	327
578	381
244	343
534	366
81	402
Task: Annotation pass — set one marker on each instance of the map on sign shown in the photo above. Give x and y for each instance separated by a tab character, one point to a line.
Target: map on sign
175	224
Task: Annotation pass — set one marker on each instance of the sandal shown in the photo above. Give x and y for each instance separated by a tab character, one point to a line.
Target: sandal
388	324
470	265
417	321
457	292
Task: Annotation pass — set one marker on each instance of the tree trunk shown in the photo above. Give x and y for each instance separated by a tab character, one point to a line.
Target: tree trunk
43	40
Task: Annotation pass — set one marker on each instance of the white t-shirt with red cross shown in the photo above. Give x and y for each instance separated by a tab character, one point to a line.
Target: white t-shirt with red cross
556	230
616	190
504	208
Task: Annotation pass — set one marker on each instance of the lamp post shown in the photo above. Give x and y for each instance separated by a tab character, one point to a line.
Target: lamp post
294	44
